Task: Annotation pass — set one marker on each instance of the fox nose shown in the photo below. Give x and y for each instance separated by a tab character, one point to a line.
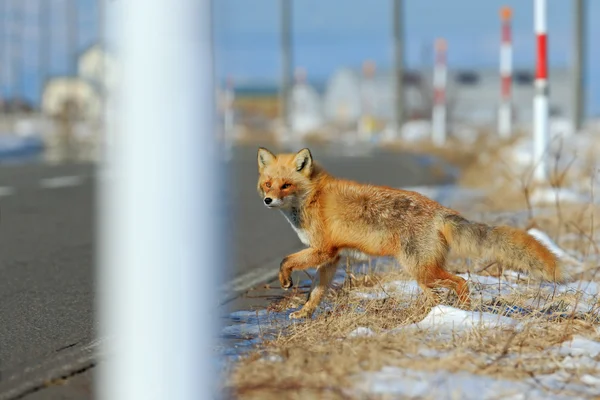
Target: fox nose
268	200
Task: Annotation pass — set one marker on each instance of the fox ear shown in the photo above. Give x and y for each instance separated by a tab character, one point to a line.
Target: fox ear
265	157
303	161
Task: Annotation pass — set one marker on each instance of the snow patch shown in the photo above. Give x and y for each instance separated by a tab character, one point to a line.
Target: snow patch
586	287
416	130
590	380
543	238
546	195
361	331
489	287
371	295
580	346
406	287
446	318
273	358
389	289
578	363
441	385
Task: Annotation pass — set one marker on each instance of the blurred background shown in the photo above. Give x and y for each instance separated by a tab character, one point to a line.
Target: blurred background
338	62
289	71
53	78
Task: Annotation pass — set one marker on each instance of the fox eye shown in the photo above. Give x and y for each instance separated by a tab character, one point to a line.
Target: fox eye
268	184
285	186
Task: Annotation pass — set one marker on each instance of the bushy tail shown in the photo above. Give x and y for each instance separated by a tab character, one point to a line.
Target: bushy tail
511	247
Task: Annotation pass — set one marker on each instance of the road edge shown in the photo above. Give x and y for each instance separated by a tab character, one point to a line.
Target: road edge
26	380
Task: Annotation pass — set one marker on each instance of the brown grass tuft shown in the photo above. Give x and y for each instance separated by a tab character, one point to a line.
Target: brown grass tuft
320	359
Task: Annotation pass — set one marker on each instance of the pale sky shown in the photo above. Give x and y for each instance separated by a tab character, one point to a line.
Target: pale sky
328	34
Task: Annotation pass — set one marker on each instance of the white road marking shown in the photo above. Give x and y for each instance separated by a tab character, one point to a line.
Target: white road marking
250	279
6	191
61	181
253	277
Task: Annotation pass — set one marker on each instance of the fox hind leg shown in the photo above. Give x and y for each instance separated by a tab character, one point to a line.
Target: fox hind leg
433	275
428	270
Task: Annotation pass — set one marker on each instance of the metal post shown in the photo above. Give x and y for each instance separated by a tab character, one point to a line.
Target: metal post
18	39
579	29
540	101
367	100
72	30
398	24
9	66
439	100
101	23
159	232
44	43
286	64
228	118
505	109
3	42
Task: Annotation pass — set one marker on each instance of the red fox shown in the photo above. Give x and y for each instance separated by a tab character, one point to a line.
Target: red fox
336	217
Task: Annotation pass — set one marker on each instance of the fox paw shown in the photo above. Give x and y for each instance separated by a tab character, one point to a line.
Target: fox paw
302	313
286	281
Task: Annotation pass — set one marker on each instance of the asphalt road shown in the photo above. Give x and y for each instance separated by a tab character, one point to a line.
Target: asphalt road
47	256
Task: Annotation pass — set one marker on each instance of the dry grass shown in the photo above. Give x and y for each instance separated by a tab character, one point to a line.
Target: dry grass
328	370
266	106
319	358
487	164
456	152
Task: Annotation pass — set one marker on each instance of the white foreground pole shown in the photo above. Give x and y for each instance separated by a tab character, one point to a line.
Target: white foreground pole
504	111
540	101
228	121
439	94
159	243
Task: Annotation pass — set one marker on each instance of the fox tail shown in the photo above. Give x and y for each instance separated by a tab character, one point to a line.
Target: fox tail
511	247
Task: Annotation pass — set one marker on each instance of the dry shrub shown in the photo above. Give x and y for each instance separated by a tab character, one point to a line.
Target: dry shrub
319	359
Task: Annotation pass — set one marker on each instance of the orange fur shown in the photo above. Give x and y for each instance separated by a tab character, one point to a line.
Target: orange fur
335	216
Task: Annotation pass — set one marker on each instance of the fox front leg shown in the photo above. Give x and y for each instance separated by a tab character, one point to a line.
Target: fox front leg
326	274
285	275
302	260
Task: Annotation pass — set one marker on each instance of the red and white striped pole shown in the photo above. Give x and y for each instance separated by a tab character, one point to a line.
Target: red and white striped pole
504	111
439	94
540	101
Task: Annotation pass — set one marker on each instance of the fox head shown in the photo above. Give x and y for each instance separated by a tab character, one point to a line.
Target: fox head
285	178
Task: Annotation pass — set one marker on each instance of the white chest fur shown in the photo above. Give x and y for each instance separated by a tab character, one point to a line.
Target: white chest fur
293	218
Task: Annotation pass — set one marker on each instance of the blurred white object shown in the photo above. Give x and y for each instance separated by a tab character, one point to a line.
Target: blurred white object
59	90
464	133
25	127
305	106
98	67
159	247
562	127
416	130
342	102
